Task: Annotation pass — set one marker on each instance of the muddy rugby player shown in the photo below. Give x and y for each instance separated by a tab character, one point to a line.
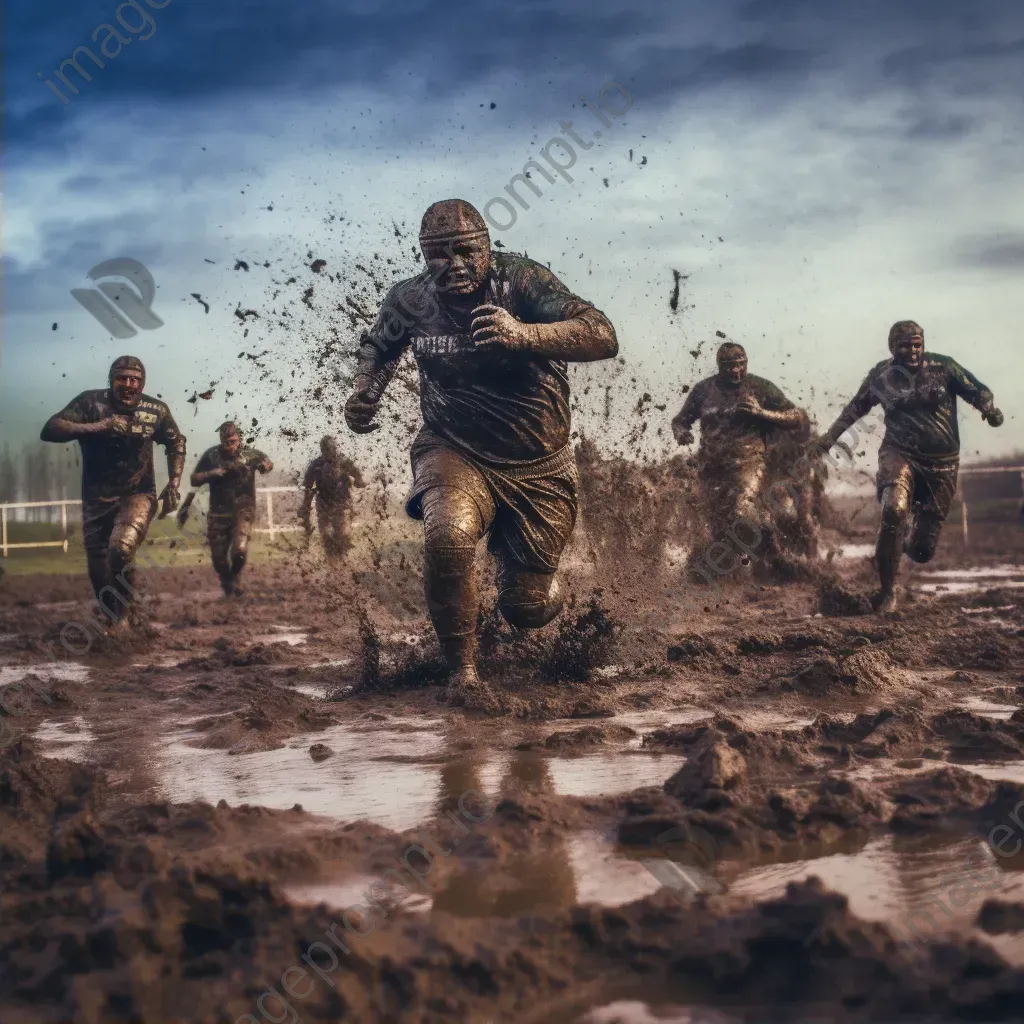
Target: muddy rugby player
116	428
329	479
230	469
737	412
919	460
492	334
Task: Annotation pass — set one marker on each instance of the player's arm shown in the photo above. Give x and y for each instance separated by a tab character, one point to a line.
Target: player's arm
773	409
380	350
972	391
173	441
557	325
308	487
683	421
862	403
78	420
261	462
353	471
205	471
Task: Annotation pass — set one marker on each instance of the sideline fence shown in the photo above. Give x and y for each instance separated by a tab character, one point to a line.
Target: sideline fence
270	528
965	526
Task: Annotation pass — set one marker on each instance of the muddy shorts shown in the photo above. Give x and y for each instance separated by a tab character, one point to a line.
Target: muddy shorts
730	488
231	530
932	485
531	509
100	519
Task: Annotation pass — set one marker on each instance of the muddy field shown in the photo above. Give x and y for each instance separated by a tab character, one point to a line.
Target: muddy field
692	805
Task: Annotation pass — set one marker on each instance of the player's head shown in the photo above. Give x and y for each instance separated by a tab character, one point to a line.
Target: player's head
230	438
906	343
127	378
328	447
456	246
732	363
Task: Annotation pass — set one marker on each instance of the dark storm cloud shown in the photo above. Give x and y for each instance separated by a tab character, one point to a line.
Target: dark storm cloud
997	251
202	51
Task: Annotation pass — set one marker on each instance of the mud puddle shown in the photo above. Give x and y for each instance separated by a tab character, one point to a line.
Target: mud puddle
349	892
850	551
62	672
920	887
293	636
987	708
612	773
634	1012
391	775
976	579
68	739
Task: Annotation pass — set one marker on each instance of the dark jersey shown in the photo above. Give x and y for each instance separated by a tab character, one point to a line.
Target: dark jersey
114	467
237	488
920	408
499	406
332	478
723	434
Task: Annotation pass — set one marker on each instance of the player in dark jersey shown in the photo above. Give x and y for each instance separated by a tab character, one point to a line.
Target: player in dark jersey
492	334
737	413
330	478
919	461
116	428
230	469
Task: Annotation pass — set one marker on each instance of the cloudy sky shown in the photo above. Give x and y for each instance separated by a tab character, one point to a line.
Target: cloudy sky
815	170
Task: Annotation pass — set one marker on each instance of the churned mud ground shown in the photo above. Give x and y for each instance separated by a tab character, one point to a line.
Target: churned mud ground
688	804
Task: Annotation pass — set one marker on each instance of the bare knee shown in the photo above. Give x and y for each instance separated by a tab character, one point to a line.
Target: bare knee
895	509
451	520
122	550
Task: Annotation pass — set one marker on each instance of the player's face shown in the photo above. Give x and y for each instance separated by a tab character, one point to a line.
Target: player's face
733	370
229	445
328	448
458	266
127	387
909	352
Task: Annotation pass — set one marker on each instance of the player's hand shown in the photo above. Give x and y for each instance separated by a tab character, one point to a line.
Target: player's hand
117	426
217	472
994	417
683	435
360	409
182	516
495	327
170	498
823	445
748	405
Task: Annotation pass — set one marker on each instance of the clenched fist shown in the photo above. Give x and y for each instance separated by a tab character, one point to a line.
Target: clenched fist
360	409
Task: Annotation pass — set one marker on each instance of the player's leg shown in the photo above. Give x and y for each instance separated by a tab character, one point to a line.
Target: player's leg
452	526
924	540
241	531
896	492
130	528
218	533
97	524
527	599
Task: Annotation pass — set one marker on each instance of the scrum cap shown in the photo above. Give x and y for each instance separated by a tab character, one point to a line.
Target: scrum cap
452	218
126	363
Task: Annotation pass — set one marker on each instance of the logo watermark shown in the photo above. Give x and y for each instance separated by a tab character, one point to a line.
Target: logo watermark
123	297
688	856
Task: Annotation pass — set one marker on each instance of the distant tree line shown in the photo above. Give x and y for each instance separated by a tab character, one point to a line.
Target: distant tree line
39	472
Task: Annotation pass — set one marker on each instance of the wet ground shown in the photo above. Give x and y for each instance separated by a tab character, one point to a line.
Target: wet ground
742	809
